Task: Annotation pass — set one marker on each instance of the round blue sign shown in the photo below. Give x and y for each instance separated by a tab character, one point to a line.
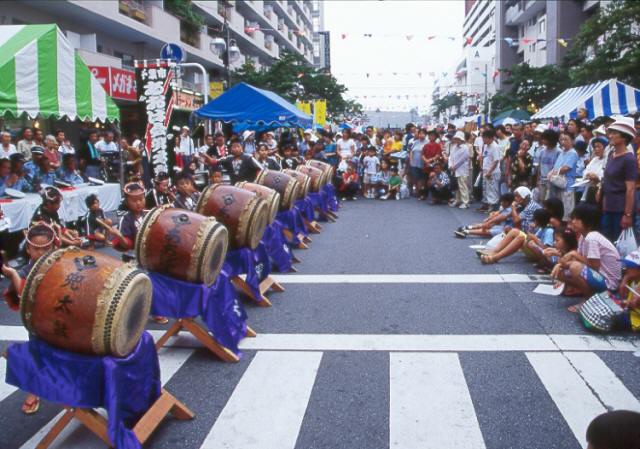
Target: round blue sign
173	52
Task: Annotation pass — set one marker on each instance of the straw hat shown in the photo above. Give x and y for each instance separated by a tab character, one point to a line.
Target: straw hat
624	125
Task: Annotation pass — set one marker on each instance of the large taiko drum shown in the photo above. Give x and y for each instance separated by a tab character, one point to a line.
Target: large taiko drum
303	179
317	177
266	193
243	213
86	302
328	169
284	184
182	244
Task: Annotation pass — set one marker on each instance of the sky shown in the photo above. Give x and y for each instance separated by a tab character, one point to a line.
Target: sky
413	39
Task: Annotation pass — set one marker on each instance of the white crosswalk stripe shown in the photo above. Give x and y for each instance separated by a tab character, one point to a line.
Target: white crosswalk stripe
430	406
581	386
430	403
266	409
75	436
5	388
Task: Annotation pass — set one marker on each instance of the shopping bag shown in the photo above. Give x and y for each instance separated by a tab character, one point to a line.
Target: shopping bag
495	240
626	243
600	312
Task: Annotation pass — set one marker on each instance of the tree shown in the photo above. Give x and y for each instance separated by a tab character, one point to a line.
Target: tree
447	105
607	45
531	87
294	79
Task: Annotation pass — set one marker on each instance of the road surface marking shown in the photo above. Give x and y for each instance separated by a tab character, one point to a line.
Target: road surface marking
266	409
430	406
407	278
5	388
75	436
400	342
574	400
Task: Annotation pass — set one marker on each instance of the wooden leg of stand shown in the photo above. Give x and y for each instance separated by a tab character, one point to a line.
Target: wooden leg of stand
288	234
302	245
166	403
305	238
313	226
294	259
208	341
332	215
55	430
242	285
93	421
269	283
250	333
293	270
173	330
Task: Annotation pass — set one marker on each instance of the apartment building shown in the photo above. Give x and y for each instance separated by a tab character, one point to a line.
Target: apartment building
536	31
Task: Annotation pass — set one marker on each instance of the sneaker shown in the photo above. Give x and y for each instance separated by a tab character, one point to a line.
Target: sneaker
464	206
460	234
453	204
354	198
344	198
398	197
384	197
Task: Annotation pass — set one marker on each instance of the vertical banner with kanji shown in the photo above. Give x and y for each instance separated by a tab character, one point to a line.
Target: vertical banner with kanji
304	106
153	79
320	112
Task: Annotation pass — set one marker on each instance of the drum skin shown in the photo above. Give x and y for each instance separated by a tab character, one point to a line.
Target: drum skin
182	244
86	302
266	193
303	179
243	213
284	184
317	176
328	169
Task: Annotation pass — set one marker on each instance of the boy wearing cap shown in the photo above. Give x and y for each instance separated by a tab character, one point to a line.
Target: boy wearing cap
630	291
20	181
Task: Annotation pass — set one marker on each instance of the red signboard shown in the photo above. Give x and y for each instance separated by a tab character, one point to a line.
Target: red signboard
118	83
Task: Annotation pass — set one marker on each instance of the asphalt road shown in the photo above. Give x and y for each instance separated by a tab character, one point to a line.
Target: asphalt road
467	357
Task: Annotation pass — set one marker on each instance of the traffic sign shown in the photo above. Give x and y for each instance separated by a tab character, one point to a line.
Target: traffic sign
173	52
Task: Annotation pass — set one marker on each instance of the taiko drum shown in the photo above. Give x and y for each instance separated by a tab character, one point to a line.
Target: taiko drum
317	177
86	302
284	184
303	179
326	168
266	193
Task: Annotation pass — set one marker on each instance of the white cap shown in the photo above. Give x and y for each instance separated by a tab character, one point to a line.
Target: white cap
458	135
540	128
247	134
600	130
523	191
308	131
185	127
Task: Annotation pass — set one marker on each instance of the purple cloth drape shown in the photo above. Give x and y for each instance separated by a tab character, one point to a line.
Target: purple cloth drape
218	306
126	387
332	199
254	263
277	248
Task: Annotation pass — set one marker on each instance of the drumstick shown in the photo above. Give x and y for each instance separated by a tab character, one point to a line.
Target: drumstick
110	229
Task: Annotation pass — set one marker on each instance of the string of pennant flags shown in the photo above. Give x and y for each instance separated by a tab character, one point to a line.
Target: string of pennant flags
421	75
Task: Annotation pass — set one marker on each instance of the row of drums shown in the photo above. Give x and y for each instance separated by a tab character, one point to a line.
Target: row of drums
87	302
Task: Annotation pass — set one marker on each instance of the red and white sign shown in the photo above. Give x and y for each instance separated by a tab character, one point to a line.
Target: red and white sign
118	83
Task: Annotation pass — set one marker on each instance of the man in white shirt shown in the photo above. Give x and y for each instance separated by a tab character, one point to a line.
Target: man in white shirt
6	147
24	146
64	146
187	149
491	157
107	145
459	167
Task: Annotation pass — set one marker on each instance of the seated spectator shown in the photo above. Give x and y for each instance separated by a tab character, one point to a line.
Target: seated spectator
630	292
32	167
68	173
18	176
6	147
350	185
51	152
24	146
565	241
382	180
494	224
531	243
523	208
45	175
439	185
617	429
595	266
187	196
5	173
395	184
556	210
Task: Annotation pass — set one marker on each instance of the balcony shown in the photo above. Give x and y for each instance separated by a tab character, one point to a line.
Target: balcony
133	8
523	11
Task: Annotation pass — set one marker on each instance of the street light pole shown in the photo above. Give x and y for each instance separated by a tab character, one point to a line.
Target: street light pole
486	91
227	59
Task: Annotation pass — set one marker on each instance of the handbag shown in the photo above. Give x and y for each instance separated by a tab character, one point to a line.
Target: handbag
626	243
560	181
600	313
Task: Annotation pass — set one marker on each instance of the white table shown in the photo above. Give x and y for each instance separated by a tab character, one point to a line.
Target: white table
72	207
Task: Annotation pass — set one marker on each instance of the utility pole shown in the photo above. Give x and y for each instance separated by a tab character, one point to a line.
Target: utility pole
227	59
486	91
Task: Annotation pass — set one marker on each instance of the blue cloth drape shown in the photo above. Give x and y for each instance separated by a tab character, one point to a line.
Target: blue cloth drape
277	248
126	387
306	208
218	306
292	220
254	263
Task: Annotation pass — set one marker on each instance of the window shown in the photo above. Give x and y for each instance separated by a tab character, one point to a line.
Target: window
542	25
127	60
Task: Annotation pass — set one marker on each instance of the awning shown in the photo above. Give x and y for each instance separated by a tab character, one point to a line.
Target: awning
516	116
254	109
41	75
604	98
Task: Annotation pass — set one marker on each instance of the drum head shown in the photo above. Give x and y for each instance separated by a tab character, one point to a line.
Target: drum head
214	253
130	309
258	224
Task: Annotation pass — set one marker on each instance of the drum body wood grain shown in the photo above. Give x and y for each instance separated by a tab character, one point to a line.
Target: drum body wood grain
266	193
243	213
86	302
303	179
317	177
284	184
327	169
182	244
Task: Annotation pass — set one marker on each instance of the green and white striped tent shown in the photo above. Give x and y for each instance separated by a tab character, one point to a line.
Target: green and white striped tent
41	75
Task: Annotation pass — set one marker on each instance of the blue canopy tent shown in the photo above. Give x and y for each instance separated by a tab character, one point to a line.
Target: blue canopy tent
516	116
248	108
604	98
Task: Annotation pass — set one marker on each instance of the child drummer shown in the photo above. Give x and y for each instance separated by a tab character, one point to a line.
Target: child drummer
130	223
94	221
40	239
187	196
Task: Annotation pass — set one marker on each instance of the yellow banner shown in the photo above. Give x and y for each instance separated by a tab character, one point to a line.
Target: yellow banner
215	89
320	112
304	106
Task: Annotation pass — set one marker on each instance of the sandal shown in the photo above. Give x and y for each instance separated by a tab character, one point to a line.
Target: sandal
160	319
31	405
482	252
574	308
488	259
